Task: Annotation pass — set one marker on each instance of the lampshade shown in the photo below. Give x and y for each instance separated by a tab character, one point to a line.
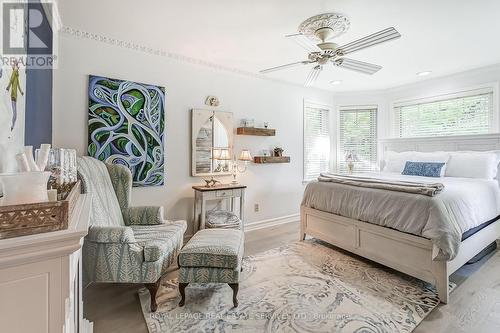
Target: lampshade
224	155
245	156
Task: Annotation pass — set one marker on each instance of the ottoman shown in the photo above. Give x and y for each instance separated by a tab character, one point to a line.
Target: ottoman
211	256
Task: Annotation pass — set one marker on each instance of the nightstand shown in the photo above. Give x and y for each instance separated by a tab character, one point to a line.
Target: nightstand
203	194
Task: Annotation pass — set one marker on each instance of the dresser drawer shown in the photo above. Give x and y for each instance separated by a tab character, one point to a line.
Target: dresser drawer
224	193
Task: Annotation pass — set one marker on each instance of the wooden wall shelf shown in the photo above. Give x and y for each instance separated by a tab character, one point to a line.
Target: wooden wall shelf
255	131
271	159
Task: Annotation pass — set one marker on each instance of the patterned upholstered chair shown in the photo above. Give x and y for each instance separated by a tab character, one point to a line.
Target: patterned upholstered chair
125	244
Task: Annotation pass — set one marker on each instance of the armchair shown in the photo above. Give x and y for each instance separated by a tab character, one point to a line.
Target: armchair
125	244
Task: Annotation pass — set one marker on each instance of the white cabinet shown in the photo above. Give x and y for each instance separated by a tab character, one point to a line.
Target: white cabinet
40	279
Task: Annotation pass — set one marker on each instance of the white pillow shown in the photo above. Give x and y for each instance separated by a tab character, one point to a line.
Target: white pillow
473	165
395	162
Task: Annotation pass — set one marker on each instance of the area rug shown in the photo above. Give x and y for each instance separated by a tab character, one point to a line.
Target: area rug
301	287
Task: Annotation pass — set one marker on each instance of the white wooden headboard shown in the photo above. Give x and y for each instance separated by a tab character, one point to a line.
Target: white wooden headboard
480	142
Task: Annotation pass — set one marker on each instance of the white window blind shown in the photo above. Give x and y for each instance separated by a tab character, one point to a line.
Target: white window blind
468	114
316	141
357	134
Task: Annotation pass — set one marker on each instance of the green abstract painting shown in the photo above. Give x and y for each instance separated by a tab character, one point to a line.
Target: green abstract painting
126	126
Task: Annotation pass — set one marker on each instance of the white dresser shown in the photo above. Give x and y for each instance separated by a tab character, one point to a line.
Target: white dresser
40	279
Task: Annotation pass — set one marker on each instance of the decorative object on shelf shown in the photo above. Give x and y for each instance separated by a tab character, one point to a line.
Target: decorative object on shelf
30	184
271	159
42	156
26	162
246	157
127	127
28	219
212	101
278	152
248	122
266	124
52	194
211	135
255	131
24	187
350	157
211	182
62	166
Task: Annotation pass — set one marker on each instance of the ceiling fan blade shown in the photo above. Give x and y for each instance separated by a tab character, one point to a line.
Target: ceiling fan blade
313	75
371	40
304	42
277	68
356	65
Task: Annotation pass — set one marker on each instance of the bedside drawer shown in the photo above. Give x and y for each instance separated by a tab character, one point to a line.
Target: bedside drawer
224	193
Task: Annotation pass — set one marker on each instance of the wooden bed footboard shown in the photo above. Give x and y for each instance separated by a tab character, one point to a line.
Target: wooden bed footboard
403	252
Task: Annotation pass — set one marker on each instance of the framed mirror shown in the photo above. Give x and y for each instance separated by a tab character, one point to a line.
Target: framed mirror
212	142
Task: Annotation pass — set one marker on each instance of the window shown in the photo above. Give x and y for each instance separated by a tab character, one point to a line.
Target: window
466	113
316	141
357	136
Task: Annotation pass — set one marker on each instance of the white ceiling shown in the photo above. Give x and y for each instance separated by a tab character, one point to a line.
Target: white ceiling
444	36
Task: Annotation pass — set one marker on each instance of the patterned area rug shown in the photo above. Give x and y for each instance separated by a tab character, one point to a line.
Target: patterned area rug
302	287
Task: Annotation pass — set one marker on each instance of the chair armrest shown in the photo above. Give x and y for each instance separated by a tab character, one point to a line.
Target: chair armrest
111	234
146	215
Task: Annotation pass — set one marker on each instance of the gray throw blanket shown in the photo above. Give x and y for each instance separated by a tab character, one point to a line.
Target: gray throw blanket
429	189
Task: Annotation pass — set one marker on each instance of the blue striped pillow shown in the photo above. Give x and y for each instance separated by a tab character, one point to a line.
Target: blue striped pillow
424	169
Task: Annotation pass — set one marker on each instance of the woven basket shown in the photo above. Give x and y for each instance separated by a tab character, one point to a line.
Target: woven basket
29	219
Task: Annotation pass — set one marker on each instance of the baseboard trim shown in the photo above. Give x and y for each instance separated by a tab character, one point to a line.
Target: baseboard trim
272	222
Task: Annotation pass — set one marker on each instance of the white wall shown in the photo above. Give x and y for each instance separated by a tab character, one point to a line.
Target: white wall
276	188
487	76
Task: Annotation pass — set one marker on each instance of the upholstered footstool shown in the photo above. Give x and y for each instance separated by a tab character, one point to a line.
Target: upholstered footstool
211	256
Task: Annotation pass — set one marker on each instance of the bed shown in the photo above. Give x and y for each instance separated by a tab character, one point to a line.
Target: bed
425	237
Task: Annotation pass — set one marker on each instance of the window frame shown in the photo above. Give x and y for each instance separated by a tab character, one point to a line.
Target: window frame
331	118
337	127
492	88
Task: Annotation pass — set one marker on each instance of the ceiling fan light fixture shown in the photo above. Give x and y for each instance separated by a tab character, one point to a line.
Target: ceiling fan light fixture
328	46
424	73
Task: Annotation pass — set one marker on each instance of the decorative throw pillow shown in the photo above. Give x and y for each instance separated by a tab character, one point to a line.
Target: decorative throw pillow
424	169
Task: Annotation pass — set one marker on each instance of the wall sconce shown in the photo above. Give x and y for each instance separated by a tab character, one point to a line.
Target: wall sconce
246	157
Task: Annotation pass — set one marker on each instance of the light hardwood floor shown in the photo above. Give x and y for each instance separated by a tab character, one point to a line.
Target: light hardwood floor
474	304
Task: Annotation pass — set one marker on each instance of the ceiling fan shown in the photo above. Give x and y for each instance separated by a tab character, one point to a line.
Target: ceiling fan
324	27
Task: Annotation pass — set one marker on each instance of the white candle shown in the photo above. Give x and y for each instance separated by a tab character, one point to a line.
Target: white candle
52	194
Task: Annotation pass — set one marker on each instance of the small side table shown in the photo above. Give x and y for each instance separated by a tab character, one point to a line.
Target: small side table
202	194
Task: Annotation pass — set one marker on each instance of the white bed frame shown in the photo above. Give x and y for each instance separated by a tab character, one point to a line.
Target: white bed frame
404	252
